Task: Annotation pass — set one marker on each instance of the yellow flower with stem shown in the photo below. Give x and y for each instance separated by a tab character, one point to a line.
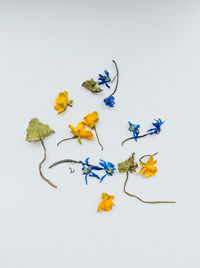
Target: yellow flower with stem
106	203
79	132
90	121
148	168
62	102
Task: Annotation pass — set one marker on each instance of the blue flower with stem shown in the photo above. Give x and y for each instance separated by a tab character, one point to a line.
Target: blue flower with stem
108	167
109	101
88	170
104	79
135	129
157	127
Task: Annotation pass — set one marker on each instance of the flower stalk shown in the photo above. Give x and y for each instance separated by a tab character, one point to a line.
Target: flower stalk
140	199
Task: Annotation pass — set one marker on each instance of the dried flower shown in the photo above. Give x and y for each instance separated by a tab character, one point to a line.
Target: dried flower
62	102
104	79
106	203
148	168
81	132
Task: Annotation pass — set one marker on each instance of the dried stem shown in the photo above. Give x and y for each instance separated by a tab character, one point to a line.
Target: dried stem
98	138
40	166
131	138
74	137
116	76
69	161
146	202
147	155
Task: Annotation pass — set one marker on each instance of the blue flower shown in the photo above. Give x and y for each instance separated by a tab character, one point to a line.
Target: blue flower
104	79
109	101
135	129
108	167
157	127
88	170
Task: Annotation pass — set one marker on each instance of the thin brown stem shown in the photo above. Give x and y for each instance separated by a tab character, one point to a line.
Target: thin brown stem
131	138
146	202
69	161
116	76
98	138
40	166
147	155
74	137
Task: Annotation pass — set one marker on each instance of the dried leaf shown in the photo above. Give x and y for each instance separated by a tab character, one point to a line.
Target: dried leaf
92	86
37	130
128	165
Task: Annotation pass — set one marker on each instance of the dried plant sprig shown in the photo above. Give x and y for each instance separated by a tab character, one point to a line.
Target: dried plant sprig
130	165
37	131
135	130
110	100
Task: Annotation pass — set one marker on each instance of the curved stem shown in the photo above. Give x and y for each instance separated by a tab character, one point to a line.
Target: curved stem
98	138
69	161
146	202
147	155
131	138
74	137
117	75
113	79
40	166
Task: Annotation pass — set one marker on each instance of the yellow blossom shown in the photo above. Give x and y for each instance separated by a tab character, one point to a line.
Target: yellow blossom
106	203
62	102
148	168
81	132
91	119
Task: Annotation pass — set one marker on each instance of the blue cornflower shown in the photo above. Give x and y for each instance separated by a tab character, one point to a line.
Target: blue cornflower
109	101
88	170
104	79
157	127
135	129
108	167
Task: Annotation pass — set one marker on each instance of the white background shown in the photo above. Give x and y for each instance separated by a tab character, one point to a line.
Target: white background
49	46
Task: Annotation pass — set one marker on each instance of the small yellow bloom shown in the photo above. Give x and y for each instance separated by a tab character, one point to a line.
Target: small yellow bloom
81	132
148	168
91	119
62	102
106	203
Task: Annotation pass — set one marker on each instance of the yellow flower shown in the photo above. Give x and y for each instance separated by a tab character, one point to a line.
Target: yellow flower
81	132
106	203
91	119
62	102
147	168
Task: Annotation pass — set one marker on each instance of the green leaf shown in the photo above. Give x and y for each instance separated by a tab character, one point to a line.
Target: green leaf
37	130
128	165
92	86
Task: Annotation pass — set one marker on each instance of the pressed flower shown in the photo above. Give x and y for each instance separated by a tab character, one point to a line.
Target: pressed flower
104	79
91	119
148	168
157	127
81	132
62	102
106	203
156	130
134	129
130	166
109	101
108	167
88	170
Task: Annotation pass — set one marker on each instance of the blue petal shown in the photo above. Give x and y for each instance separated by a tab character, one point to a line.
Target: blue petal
102	178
